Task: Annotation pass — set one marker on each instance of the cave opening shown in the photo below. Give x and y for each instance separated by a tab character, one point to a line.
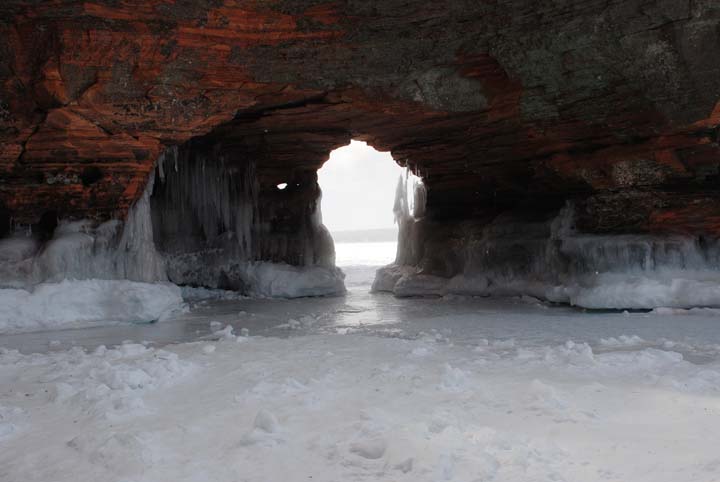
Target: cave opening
358	185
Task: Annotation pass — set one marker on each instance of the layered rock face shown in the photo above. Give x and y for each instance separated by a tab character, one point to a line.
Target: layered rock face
507	110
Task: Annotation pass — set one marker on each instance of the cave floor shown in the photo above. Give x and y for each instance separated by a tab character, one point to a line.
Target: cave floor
367	387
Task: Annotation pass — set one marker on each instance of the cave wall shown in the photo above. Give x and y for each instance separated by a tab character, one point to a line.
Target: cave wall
509	108
214	214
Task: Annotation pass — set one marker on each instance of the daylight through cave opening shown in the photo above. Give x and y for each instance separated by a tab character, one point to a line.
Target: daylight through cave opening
358	186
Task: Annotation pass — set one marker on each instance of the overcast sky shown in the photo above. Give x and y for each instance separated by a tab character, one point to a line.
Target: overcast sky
358	185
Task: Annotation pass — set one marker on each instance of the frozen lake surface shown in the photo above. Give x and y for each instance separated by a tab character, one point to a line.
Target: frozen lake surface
367	387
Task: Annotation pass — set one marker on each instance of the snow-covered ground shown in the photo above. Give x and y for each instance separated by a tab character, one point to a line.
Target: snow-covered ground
368	387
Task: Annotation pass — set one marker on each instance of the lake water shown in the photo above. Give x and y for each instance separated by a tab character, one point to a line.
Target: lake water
365	254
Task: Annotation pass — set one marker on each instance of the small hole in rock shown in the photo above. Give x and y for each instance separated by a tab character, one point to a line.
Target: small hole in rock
5	223
45	228
91	175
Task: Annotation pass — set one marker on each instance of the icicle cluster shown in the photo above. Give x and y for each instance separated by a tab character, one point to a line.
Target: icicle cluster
206	198
197	223
215	230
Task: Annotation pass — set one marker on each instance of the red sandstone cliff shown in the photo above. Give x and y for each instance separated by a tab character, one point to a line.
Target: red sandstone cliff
498	105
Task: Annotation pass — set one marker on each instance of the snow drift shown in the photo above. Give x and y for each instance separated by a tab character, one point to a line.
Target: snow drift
74	304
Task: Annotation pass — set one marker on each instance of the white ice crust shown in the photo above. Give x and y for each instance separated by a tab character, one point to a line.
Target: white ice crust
83	303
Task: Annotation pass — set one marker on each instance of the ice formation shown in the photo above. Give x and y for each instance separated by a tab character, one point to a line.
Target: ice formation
205	220
217	228
86	274
203	200
75	304
551	260
409	207
84	250
199	222
273	280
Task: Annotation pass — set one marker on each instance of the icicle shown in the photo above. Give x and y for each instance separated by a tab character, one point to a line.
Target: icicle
161	166
400	207
419	199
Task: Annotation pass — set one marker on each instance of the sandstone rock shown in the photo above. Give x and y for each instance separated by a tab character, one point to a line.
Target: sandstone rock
498	106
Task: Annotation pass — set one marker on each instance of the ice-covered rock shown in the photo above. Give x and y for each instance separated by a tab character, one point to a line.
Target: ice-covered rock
285	281
198	225
550	260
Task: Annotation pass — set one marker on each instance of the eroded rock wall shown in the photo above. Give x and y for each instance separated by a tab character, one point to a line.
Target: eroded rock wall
492	102
502	108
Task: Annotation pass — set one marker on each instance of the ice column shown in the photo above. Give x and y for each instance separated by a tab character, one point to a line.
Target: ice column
407	212
136	257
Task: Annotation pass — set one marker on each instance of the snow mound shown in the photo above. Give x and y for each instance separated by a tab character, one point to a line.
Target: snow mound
273	280
79	303
106	383
623	291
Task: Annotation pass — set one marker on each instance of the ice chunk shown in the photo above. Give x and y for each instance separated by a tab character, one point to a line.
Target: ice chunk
369	448
75	303
285	281
626	291
387	277
266	421
226	333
